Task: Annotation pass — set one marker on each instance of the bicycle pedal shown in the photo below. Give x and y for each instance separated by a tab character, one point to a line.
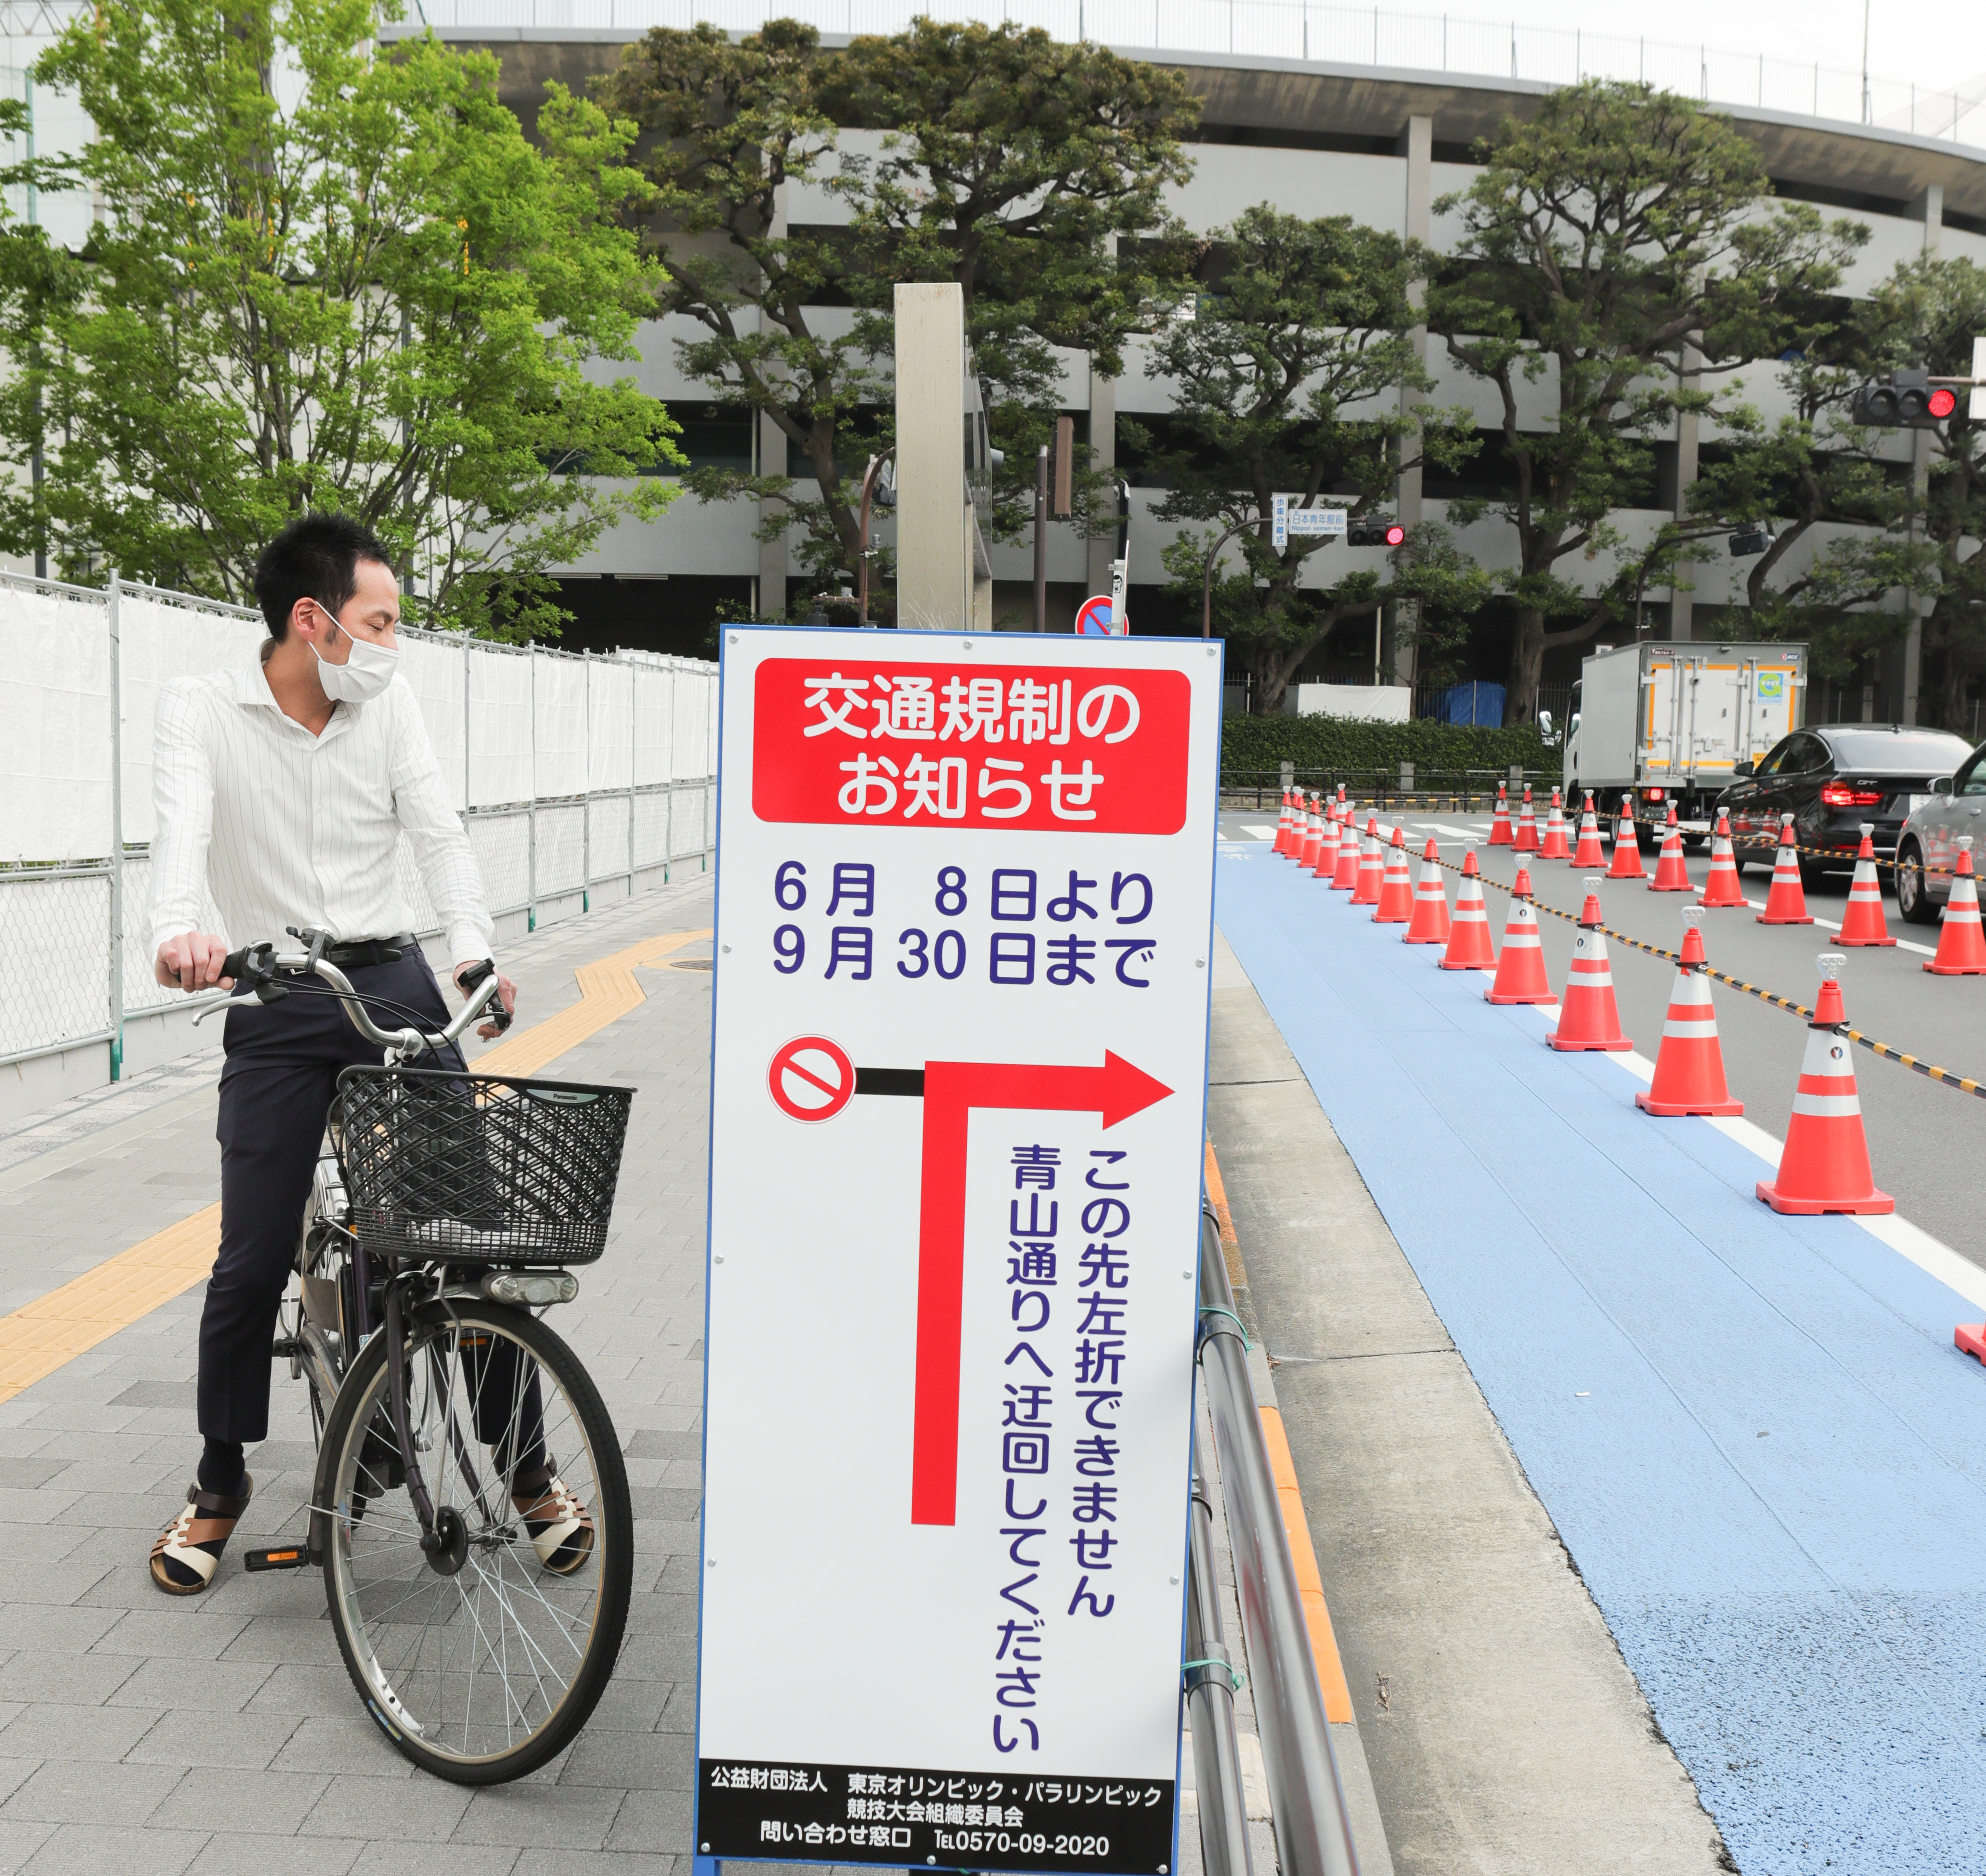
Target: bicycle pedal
286	1348
279	1557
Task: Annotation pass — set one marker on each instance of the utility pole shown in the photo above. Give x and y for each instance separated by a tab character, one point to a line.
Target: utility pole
1042	538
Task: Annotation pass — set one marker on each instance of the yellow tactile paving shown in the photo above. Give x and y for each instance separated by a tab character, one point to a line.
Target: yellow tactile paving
38	1338
607	992
41	1336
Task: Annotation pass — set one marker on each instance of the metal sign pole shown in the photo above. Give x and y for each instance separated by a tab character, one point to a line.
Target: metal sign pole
116	973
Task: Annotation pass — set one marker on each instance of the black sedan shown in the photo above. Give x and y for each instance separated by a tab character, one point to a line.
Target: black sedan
1832	779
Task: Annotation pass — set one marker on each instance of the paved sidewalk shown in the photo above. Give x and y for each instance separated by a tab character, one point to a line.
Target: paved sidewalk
141	1734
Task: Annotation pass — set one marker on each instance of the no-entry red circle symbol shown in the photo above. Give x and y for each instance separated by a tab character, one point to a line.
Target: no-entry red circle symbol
811	1079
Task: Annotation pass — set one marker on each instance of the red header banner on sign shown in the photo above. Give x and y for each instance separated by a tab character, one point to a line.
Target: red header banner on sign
881	743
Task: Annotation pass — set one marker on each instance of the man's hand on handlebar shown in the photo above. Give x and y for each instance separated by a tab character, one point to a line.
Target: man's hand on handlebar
192	961
468	975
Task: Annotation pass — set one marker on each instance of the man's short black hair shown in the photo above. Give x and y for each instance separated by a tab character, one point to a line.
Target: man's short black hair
317	557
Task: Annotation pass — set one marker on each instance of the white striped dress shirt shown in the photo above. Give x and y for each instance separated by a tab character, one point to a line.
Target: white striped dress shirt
291	829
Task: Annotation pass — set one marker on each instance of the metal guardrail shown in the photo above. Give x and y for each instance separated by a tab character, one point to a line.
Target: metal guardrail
1466	789
1313	1829
1209	1698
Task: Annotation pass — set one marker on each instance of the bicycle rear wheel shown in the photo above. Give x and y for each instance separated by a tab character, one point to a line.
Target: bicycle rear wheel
481	1660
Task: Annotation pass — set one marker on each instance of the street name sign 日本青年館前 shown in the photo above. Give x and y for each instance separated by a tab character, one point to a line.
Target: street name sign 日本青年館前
963	923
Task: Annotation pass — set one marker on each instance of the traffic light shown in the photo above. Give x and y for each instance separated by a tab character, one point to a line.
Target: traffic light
1755	538
1374	530
1907	400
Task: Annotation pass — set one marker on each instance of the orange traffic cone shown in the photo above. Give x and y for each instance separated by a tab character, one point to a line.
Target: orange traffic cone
1520	971
1469	946
1961	946
1396	889
1313	832
1689	1065
1346	877
1556	846
1670	874
1824	1166
1862	923
1786	905
1371	867
1326	846
1725	887
1587	1017
1282	841
1588	855
1500	828
1626	845
1526	841
1429	923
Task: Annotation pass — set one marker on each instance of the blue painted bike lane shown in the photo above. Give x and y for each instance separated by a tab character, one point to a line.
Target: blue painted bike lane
1753	1433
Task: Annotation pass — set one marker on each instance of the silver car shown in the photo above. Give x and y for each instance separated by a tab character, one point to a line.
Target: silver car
1927	847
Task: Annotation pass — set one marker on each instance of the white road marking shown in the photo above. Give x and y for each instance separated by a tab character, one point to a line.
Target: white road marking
1442	827
1931	1255
1928	950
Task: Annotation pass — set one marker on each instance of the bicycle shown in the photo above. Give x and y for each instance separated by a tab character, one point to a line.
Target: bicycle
469	1508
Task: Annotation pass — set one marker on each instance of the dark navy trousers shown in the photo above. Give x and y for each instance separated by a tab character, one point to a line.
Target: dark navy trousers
282	1067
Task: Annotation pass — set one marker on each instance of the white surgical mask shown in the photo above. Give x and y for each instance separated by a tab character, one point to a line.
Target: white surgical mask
366	671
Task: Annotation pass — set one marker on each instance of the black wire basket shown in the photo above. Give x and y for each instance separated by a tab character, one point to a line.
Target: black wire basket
478	1169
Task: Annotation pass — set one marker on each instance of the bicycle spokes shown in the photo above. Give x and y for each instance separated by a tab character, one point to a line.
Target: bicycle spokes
472	1641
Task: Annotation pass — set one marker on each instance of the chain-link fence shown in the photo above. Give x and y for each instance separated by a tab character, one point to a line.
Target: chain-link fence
581	778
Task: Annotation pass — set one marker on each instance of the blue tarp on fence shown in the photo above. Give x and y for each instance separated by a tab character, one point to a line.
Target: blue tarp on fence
1473	703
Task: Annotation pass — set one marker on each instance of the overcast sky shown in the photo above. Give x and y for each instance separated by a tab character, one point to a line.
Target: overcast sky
1938	43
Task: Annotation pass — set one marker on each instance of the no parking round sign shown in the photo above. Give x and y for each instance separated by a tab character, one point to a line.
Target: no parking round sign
811	1078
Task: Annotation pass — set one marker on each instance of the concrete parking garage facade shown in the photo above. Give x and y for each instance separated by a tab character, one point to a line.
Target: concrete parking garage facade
1382	145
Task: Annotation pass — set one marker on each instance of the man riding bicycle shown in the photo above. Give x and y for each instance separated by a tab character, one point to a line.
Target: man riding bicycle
284	790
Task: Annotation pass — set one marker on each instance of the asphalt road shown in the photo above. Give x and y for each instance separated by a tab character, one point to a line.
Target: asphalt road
1927	1143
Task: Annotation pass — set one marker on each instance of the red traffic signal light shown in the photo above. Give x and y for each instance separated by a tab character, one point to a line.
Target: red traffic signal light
1374	530
1395	533
1909	400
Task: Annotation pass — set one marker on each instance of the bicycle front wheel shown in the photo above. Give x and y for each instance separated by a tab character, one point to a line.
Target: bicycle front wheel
483	1658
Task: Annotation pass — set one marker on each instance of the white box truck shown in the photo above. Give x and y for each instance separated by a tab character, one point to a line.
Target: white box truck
1668	723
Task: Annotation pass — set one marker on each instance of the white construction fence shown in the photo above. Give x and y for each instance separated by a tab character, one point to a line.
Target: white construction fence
582	779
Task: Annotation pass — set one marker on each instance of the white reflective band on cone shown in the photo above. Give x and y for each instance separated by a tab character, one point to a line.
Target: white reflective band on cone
1686	1029
1827	1106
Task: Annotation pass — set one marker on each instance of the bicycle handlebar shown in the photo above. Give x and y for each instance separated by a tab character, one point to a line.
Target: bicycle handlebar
258	965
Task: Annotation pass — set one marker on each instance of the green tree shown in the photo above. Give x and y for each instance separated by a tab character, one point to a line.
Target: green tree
1813	467
325	275
1618	251
1030	172
1286	379
1929	553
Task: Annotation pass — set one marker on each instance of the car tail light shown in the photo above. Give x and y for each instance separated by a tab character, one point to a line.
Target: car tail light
1840	795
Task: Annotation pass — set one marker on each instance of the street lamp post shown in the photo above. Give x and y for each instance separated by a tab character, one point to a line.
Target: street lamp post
867	553
1207	579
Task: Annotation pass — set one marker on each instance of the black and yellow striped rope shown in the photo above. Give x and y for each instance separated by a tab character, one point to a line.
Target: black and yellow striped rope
1965	1084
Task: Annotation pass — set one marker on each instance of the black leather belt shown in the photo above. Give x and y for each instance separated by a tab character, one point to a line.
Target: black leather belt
369	951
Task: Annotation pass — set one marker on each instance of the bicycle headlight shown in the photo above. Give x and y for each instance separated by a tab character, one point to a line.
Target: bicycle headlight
530	1289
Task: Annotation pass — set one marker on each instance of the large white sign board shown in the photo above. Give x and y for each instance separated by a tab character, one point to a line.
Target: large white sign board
965	907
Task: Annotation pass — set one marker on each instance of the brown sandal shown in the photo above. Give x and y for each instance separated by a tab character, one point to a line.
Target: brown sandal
188	1550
